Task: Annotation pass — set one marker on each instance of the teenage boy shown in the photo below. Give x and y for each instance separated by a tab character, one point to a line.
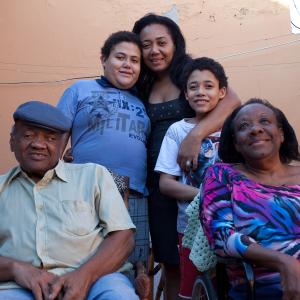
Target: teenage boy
205	84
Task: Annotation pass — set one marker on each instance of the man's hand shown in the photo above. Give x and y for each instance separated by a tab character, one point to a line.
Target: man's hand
71	286
76	284
142	285
142	281
33	279
189	151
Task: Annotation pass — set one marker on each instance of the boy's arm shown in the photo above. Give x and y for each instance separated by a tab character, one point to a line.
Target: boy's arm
213	121
169	186
169	170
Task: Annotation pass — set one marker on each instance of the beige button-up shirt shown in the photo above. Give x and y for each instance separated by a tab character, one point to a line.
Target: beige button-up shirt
59	222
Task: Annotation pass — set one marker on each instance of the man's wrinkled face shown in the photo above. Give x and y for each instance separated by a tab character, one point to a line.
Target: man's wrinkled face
36	149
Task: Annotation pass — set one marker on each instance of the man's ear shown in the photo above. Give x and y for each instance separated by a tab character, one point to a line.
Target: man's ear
11	142
103	59
65	140
222	92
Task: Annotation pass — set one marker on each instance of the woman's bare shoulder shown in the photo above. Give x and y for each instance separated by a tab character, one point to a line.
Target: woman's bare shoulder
293	173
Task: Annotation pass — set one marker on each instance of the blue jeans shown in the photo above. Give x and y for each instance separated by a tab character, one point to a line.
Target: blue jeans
114	286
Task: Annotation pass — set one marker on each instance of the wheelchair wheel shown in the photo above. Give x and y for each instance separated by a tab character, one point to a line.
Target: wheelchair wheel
203	289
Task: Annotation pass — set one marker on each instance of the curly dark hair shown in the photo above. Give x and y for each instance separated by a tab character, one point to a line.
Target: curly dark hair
180	58
289	149
117	38
204	63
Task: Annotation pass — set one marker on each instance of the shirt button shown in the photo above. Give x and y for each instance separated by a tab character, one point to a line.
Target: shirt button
39	205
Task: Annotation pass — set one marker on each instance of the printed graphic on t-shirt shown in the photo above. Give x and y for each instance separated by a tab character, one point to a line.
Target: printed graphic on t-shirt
112	111
208	156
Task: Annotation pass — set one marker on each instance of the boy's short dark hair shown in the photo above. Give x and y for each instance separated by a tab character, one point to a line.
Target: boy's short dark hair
117	38
201	64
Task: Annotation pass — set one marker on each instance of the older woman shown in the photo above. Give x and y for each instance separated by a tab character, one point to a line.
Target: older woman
251	204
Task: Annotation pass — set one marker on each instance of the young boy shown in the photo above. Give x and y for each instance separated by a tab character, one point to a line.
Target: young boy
205	85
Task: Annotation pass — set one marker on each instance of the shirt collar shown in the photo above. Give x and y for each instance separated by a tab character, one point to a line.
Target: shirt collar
103	81
59	171
15	172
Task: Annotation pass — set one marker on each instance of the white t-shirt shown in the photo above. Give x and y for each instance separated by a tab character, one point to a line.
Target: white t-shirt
167	161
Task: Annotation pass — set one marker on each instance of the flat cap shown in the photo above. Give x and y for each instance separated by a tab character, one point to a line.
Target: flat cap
43	115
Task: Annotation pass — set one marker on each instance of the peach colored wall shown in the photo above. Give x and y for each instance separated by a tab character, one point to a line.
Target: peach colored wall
56	39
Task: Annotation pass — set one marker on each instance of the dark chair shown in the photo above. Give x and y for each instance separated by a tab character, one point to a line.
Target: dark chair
153	270
205	288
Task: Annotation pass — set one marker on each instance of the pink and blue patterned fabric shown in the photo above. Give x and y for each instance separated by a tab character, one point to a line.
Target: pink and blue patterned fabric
236	211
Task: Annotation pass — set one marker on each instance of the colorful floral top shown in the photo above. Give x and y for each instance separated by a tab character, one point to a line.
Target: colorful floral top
237	211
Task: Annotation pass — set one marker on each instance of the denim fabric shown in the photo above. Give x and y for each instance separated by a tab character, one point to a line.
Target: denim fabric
16	294
115	286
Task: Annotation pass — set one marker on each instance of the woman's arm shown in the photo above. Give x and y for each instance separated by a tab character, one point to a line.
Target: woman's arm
170	186
287	266
190	146
216	214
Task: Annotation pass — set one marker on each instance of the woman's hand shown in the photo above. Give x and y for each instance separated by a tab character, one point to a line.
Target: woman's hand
189	151
290	277
211	122
287	266
68	157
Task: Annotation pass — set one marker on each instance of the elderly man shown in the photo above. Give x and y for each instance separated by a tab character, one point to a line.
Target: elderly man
64	229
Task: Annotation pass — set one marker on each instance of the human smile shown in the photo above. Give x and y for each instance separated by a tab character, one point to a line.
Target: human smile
156	61
258	142
126	73
201	101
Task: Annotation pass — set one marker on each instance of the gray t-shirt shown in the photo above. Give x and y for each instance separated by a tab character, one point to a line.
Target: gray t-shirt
110	128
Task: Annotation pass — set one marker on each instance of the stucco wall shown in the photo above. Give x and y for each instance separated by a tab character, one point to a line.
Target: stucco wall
53	40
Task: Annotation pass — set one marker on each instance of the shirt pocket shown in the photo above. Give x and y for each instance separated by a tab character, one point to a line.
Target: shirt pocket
78	217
